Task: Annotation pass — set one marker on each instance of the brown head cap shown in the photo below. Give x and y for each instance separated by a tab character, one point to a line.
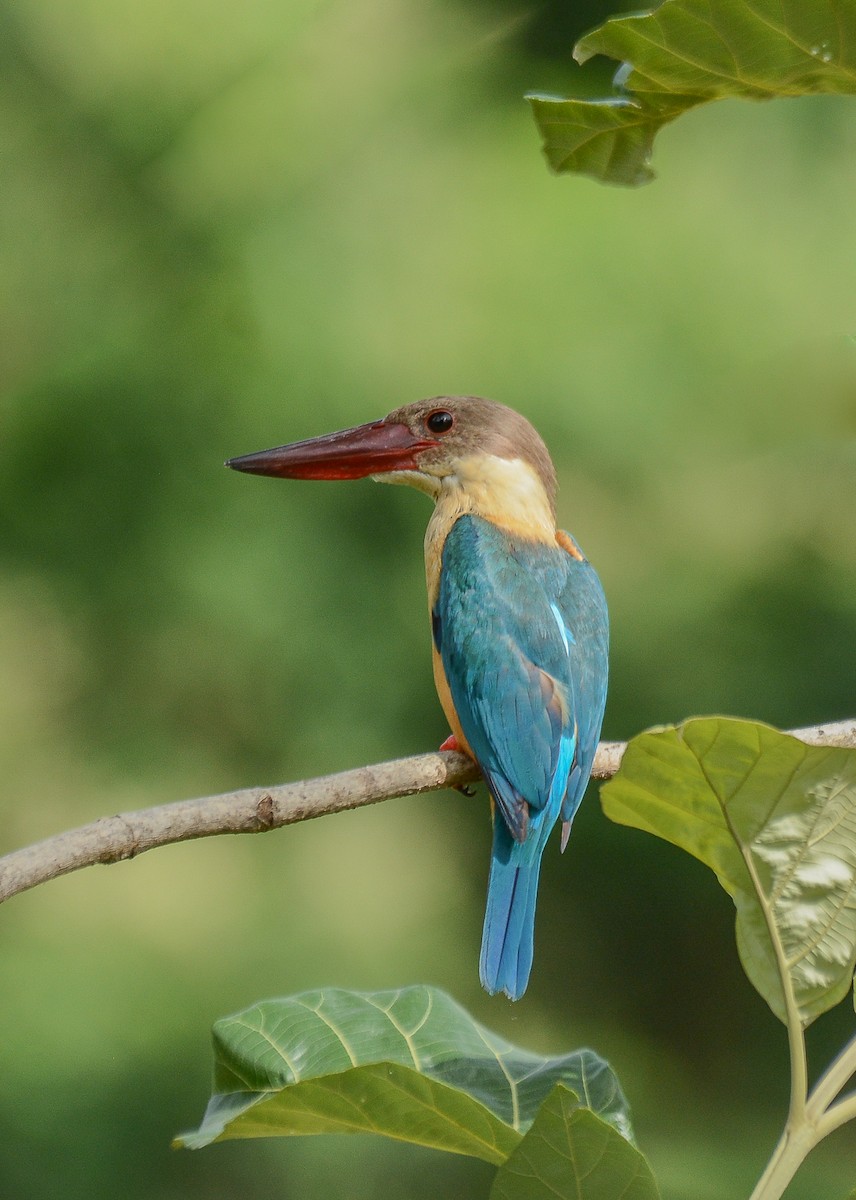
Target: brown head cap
468	425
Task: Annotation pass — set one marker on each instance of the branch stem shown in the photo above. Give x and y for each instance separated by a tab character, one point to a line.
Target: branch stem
255	810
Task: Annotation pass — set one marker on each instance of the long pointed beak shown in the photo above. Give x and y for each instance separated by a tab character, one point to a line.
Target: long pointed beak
371	449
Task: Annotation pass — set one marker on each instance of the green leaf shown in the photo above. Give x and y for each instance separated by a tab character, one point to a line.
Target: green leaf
776	820
410	1064
571	1154
688	52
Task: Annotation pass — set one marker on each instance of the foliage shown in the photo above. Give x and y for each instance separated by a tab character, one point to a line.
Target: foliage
686	53
775	820
413	1065
570	1154
272	1056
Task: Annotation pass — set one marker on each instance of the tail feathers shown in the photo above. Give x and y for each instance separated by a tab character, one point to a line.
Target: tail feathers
509	923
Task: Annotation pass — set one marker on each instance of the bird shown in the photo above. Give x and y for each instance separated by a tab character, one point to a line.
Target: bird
519	627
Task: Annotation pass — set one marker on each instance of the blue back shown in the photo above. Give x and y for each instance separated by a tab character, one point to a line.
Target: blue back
522	632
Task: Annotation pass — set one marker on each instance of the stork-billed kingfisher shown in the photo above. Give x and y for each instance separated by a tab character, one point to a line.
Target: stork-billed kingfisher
518	621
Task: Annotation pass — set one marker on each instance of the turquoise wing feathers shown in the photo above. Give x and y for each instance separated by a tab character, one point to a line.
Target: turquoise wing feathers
522	632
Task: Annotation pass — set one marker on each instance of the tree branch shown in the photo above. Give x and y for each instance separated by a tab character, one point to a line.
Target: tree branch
255	810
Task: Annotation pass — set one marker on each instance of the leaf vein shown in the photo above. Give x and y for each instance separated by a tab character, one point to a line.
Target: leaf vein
332	1027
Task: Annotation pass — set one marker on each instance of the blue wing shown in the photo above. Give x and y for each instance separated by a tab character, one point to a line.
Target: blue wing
521	629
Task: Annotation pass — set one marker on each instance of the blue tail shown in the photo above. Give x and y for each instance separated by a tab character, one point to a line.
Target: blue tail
509	920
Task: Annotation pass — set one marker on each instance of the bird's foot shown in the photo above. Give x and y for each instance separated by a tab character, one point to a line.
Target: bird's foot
451	743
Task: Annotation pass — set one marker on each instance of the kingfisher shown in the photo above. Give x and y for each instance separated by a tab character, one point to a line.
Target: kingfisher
518	624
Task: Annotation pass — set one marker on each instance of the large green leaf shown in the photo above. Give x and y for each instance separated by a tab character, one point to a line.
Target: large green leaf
686	53
776	820
571	1154
410	1064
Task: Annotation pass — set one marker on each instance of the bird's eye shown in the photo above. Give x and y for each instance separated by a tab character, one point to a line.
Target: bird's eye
440	421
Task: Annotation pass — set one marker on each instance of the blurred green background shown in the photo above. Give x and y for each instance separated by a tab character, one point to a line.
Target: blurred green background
228	227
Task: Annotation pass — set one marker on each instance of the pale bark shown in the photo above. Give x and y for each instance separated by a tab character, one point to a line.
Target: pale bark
255	810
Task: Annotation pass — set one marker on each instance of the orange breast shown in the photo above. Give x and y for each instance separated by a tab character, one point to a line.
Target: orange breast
442	685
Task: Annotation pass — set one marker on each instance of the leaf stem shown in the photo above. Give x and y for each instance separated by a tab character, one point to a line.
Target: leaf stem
800	1138
831	1082
836	1116
800	1134
794	1145
809	1122
796	1036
